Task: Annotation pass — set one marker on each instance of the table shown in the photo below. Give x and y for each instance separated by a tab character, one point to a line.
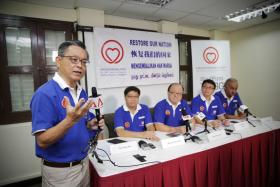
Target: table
250	160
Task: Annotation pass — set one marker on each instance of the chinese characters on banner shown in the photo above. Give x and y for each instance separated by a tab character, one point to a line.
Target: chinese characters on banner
125	57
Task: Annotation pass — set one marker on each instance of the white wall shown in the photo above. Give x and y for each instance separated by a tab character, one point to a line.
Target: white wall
17	158
255	60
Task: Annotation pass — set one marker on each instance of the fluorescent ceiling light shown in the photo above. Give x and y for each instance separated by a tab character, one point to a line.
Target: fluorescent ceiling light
249	14
151	2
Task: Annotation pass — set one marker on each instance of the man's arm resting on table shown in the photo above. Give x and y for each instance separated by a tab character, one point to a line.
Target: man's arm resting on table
166	128
121	132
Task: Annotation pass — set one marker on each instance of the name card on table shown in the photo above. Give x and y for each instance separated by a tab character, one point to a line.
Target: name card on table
215	135
120	147
240	126
172	141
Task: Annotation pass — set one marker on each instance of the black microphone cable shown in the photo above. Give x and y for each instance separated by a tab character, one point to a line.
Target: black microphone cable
133	165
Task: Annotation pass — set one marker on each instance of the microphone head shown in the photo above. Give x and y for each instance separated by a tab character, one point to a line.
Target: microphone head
184	112
143	145
243	108
201	116
94	92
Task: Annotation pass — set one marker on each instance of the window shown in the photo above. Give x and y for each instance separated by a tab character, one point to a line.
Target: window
185	62
28	47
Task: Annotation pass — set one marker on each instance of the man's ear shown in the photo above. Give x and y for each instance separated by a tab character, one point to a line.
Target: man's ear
58	61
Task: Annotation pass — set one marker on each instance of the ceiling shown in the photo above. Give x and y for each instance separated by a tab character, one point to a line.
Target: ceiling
201	14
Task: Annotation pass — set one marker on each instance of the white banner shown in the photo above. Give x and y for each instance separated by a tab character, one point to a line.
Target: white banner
126	57
210	60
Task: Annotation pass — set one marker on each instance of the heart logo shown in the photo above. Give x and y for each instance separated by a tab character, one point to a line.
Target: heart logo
211	57
112	51
112	54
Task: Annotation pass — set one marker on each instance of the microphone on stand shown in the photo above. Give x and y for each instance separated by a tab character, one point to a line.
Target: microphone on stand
244	109
186	122
96	107
202	118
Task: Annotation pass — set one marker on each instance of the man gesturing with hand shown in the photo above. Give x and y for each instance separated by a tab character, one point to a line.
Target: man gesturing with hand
61	122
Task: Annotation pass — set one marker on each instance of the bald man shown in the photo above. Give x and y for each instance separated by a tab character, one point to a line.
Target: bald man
230	99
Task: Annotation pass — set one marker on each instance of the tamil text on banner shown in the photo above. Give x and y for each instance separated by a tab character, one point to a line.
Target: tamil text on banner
126	57
210	60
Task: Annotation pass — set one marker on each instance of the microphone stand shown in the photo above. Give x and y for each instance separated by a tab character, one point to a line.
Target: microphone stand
205	127
247	114
191	137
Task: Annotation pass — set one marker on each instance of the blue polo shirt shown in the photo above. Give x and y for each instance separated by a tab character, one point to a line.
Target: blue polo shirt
47	111
230	105
165	114
211	110
137	122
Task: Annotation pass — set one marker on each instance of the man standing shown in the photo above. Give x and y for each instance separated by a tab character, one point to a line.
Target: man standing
61	122
168	112
230	99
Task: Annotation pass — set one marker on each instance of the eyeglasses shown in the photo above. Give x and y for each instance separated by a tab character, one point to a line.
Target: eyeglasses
208	87
177	94
75	60
132	97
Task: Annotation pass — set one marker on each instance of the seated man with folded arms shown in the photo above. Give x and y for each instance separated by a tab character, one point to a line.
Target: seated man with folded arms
134	119
209	105
167	112
230	99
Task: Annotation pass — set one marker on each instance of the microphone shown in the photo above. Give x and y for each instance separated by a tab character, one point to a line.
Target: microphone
244	109
186	118
143	145
201	116
186	122
96	105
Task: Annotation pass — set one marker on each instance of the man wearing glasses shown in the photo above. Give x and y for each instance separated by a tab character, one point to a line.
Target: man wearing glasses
168	112
209	105
61	122
134	119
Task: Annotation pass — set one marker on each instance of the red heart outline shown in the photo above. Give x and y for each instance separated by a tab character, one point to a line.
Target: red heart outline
107	51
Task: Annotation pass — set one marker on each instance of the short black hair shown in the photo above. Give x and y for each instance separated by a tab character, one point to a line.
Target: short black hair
64	46
172	84
210	81
131	88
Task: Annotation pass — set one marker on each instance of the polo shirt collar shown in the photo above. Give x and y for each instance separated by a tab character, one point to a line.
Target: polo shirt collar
225	95
126	108
62	84
169	102
204	99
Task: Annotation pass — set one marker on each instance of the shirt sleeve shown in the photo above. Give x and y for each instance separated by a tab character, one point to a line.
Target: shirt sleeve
148	118
220	107
195	106
159	113
118	120
44	112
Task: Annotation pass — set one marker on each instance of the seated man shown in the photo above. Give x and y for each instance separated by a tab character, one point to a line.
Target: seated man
134	119
230	99
167	112
209	105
